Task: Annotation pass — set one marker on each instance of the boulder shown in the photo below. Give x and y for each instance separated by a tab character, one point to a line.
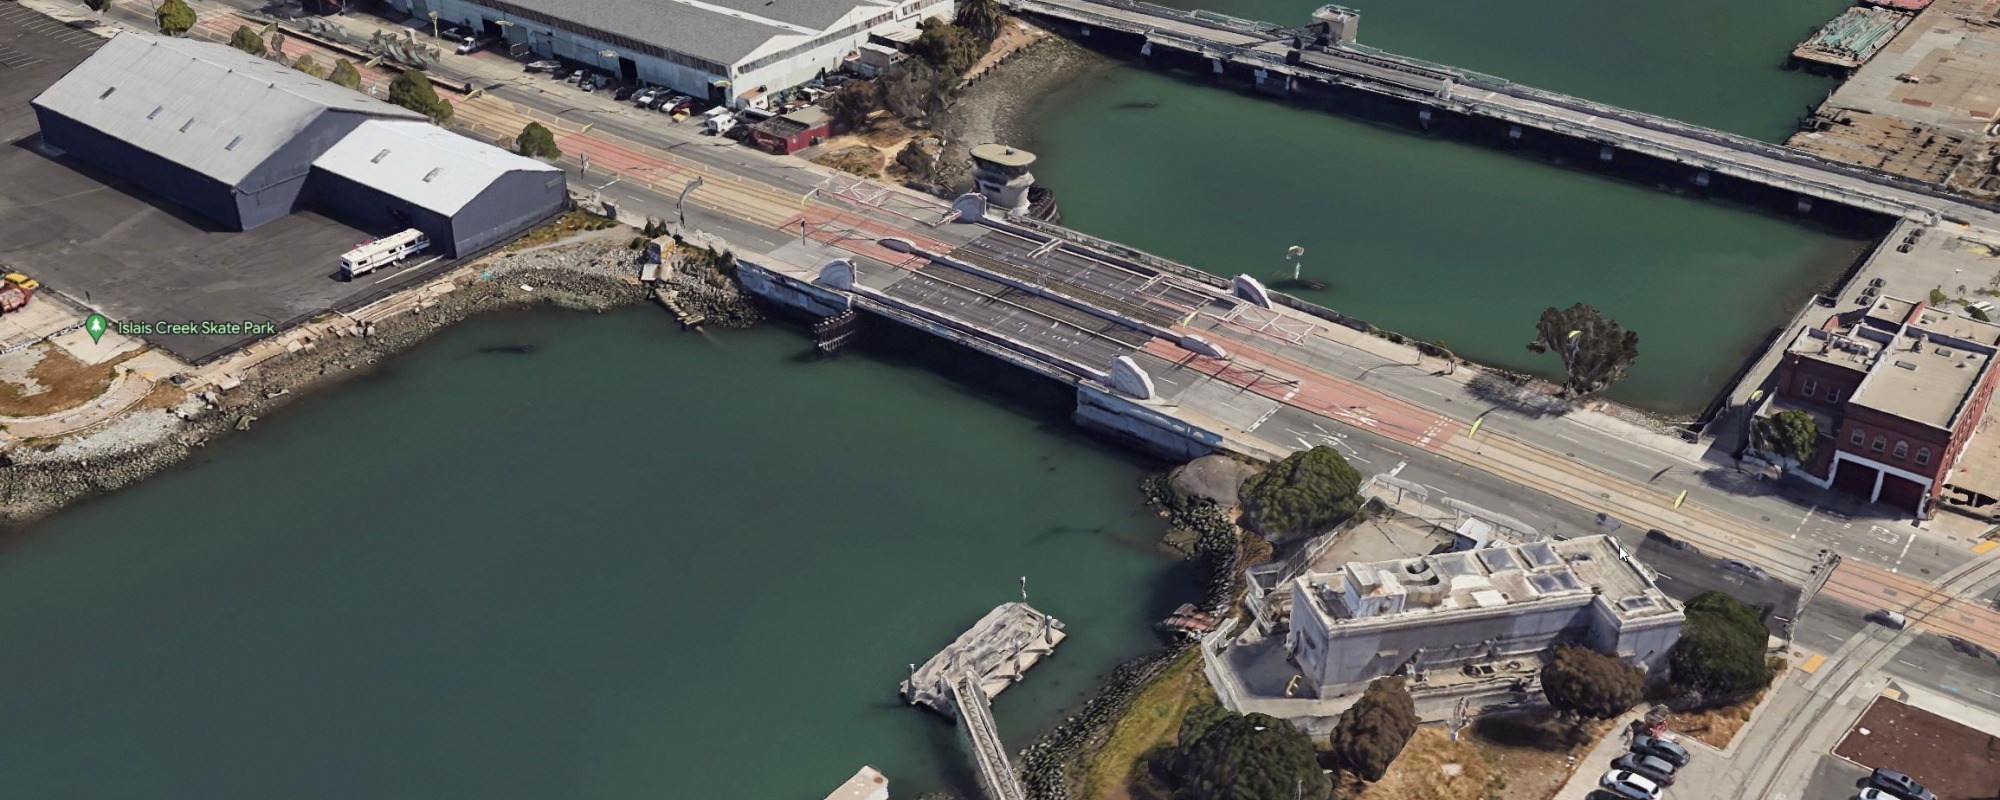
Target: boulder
1213	478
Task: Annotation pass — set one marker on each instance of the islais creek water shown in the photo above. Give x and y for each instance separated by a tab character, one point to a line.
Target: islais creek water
640	564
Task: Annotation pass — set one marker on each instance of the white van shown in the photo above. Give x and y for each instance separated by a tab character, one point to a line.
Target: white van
387	250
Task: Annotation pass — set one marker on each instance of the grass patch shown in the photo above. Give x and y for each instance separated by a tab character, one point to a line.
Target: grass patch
1153	720
64	382
859	159
1717	726
571	222
1431	767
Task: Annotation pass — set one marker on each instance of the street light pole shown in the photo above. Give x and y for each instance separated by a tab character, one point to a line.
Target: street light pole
434	25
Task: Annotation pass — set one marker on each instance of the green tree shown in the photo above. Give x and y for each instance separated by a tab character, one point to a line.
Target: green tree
947	47
1305	493
1596	351
1979	314
536	141
914	89
412	90
851	104
307	65
1792	433
1248	757
1199	719
1588	684
247	40
1937	296
1719	659
981	18
174	17
99	6
1373	731
345	74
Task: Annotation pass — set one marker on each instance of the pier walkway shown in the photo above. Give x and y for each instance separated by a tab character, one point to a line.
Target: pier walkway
1269	51
961	680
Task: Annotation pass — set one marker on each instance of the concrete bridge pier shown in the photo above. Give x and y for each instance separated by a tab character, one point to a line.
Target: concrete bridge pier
1513	136
1805	205
1424	118
1605	153
1701	178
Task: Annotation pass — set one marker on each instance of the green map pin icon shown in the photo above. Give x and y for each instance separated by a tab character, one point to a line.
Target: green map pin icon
96	325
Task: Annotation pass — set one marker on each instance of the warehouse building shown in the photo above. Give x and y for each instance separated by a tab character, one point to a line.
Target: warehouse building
244	141
210	127
733	52
394	174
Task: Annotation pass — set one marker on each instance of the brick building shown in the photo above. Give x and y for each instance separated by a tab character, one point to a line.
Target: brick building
1898	389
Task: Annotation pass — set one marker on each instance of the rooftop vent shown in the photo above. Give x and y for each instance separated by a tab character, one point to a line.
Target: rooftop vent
233	143
1906	365
1944	351
156	111
378	157
432	174
186	125
107	93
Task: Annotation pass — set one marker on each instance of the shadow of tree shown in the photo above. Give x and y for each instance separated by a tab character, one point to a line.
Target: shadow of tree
1539	730
1737	482
1514	395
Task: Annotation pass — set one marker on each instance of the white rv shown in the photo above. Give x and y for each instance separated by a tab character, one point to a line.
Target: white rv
386	250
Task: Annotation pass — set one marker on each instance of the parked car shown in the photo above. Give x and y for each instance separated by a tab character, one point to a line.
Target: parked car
1655	769
659	100
678	104
1630	785
1662	749
470	45
587	85
545	65
1900	785
560	73
645	97
1747	568
1872	793
624	92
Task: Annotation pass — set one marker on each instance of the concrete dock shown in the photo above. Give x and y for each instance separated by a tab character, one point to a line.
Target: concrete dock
868	784
996	651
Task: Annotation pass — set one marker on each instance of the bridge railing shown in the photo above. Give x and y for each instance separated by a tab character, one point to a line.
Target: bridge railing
977	717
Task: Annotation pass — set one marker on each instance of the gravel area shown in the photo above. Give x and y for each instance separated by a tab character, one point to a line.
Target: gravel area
39	480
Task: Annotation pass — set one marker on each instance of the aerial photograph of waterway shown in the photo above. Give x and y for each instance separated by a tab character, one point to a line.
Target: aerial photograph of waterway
1001	399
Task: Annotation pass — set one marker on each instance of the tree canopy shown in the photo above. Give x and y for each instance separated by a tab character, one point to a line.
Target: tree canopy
947	47
412	90
98	6
851	104
1584	682
1791	433
1305	493
174	17
1373	731
1595	350
345	74
981	18
1720	657
914	89
307	65
247	40
1247	757
536	141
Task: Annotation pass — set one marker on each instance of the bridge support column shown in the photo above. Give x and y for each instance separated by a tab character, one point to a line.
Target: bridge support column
1514	135
1604	153
1424	118
1146	50
1701	179
1215	65
1805	205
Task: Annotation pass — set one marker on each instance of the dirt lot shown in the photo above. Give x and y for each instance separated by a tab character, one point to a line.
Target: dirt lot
1717	726
1956	762
1531	754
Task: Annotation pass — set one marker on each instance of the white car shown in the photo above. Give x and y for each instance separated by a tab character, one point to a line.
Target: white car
1872	793
1629	785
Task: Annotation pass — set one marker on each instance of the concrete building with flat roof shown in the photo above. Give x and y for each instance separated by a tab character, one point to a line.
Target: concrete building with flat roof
1898	389
1445	611
733	52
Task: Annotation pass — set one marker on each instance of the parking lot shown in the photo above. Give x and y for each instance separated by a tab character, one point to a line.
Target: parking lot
105	244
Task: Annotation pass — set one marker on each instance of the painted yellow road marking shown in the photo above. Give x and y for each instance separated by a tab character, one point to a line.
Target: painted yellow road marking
1812	664
1982	547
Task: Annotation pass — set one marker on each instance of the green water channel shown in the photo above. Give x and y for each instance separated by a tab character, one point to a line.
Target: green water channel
634	564
1445	240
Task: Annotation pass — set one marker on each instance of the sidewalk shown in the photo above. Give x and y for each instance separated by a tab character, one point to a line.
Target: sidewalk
1583	776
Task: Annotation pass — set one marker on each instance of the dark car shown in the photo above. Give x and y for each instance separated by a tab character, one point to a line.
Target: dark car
624	92
544	66
659	101
1662	749
1897	783
1654	768
1664	538
1747	568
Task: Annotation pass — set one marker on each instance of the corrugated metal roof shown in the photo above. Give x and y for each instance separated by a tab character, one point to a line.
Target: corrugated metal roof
723	31
209	107
421	163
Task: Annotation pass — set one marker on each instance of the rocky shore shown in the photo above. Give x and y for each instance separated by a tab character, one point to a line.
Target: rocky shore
1003	103
594	276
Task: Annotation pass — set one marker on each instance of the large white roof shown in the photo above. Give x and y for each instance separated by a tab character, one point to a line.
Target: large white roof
421	163
209	107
